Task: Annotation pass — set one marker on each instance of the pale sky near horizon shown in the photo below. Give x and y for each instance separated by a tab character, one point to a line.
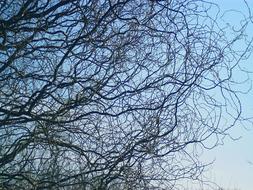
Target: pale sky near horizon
233	167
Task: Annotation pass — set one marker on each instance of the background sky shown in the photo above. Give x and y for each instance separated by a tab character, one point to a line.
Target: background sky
233	167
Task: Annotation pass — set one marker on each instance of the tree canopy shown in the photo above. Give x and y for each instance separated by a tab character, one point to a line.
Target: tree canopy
113	94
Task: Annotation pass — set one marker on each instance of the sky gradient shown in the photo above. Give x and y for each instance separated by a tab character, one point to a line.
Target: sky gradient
233	167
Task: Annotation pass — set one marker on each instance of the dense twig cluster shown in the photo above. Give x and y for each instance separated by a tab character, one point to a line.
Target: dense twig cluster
111	94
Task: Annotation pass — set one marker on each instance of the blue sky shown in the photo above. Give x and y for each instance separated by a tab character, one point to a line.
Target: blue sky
232	168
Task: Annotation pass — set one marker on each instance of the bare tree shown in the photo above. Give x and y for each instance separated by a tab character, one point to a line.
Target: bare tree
112	94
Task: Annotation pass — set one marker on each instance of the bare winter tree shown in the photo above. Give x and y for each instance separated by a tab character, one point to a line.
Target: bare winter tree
113	94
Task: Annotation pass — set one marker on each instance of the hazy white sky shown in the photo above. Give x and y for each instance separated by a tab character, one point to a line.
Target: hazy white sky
232	168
